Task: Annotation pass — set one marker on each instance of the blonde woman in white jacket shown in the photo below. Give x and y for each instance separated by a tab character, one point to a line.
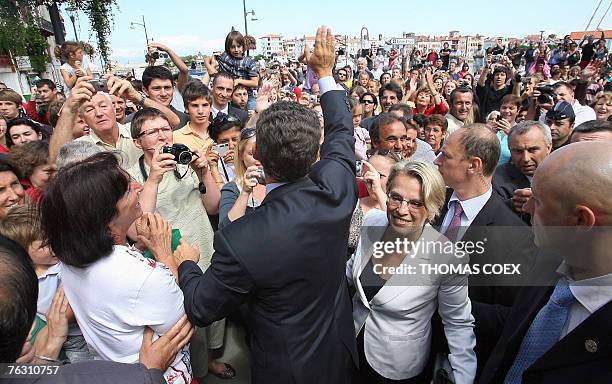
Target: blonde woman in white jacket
392	308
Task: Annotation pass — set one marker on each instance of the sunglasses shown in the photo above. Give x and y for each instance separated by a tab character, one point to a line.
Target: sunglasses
222	118
367	101
247	133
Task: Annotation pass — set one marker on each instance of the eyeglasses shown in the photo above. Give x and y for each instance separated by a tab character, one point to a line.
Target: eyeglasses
155	131
396	200
367	101
247	133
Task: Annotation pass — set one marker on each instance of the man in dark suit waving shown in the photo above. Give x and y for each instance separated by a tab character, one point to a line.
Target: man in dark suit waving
562	334
287	259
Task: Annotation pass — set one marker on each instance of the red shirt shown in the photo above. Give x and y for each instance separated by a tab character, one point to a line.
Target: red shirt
30	109
439	109
34	194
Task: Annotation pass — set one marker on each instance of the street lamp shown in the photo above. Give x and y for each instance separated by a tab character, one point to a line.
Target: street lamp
144	25
253	18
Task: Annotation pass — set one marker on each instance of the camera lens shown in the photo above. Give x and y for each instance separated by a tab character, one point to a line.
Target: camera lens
184	157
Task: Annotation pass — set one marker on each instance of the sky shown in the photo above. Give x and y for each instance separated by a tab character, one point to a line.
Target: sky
190	26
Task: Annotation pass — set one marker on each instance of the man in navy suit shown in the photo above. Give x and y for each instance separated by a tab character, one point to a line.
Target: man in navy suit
287	259
563	334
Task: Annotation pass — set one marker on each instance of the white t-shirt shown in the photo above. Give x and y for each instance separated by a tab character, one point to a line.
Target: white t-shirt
85	65
116	297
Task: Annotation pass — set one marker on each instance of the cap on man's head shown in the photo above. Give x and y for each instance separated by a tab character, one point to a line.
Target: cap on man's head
561	110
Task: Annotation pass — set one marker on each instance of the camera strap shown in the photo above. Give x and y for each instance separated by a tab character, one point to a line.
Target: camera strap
145	176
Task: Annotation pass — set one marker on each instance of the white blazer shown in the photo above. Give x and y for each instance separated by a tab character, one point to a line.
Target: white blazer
397	334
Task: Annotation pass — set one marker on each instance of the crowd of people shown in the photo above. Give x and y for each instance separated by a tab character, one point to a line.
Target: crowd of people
137	216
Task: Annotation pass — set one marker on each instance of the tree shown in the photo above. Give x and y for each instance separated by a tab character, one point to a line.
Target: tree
20	32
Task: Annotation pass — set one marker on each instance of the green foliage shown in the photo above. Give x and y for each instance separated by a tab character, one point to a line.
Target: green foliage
100	14
20	34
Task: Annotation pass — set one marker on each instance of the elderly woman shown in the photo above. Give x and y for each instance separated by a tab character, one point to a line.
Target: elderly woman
392	311
11	190
602	104
114	291
435	131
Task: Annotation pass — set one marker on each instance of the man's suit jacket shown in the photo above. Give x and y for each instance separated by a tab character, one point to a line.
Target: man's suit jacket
509	240
583	356
287	261
506	179
239	113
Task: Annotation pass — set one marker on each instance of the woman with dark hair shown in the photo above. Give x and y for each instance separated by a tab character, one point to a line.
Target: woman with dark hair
114	291
235	62
11	190
385	78
370	103
225	132
31	160
22	130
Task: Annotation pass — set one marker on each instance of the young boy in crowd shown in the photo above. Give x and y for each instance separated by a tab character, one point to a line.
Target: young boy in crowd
22	225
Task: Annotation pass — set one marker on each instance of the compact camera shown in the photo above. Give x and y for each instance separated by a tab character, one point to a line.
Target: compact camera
359	168
221	149
260	176
99	85
182	154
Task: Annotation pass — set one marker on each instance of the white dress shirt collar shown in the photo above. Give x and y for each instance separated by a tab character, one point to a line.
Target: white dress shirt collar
215	110
592	293
471	207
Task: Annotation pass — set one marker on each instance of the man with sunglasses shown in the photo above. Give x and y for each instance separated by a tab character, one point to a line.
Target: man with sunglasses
287	259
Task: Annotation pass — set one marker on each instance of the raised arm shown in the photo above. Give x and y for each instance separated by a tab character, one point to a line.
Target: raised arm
124	89
62	134
180	64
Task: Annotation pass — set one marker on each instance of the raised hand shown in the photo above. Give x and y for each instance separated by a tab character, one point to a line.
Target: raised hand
323	59
80	93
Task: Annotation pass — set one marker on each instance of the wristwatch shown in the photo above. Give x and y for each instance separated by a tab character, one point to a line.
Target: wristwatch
142	100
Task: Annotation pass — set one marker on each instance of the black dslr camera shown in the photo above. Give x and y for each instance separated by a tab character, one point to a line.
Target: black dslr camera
547	94
182	154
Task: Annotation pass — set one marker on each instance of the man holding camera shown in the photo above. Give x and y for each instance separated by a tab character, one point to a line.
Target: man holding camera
99	114
44	94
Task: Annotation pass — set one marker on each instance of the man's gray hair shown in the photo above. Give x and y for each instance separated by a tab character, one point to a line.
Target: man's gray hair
525	126
362	60
74	151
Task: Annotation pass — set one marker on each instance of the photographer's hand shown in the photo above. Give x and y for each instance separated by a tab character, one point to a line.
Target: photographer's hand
160	164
